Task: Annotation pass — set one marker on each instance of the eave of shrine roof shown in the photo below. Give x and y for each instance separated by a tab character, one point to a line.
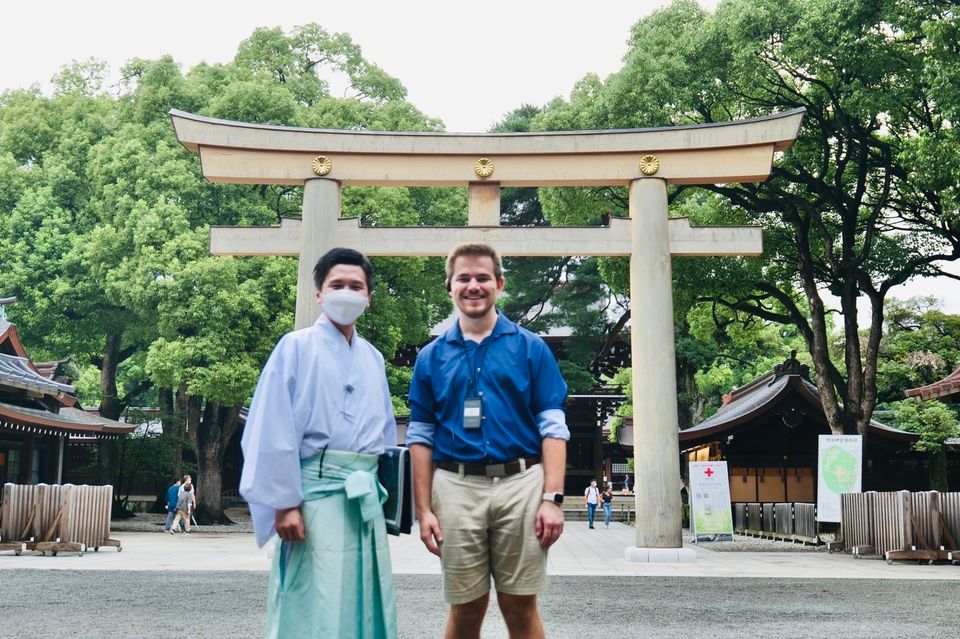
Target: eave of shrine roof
17	372
949	385
68	421
10	339
755	398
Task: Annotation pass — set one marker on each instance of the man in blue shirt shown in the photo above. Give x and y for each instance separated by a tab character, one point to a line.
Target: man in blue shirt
488	438
172	494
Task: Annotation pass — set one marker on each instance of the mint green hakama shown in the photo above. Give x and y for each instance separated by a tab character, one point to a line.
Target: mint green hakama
337	583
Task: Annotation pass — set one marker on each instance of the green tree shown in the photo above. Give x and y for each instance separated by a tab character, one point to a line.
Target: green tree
852	209
104	220
935	422
921	344
566	293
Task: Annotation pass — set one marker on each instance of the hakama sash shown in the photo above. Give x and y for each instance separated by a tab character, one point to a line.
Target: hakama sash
337	583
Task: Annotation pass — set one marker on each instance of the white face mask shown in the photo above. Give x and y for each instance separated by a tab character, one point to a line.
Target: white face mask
344	306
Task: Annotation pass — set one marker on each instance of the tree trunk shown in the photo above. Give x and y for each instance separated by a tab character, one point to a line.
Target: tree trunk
938	470
173	426
109	408
209	428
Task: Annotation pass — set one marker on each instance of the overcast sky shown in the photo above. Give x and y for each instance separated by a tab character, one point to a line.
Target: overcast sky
465	63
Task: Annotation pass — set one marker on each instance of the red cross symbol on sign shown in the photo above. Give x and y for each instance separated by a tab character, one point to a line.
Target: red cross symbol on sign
708	472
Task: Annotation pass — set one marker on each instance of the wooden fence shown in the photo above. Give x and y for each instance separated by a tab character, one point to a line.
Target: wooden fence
789	521
56	518
901	525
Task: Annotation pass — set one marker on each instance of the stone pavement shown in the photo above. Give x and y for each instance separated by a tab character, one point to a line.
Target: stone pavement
579	552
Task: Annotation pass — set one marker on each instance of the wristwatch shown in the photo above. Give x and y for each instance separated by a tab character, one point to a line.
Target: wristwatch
556	498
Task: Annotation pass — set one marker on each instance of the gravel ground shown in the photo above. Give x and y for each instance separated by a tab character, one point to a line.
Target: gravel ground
742	543
231	604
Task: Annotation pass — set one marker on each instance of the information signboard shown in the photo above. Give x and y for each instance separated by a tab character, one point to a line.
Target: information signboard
711	518
839	461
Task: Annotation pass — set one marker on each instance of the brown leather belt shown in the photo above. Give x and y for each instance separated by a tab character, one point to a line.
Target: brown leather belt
489	470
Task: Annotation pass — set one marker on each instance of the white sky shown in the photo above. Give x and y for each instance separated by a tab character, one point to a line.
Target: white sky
466	63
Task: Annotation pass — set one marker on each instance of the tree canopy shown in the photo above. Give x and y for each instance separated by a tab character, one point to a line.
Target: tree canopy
104	223
865	200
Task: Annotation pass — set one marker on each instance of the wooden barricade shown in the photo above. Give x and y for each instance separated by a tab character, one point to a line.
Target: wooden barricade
857	523
805	523
768	520
57	518
754	524
901	525
5	543
926	535
783	520
950	510
740	518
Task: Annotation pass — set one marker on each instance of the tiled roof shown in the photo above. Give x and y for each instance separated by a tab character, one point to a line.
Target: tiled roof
755	398
69	421
17	372
949	385
49	369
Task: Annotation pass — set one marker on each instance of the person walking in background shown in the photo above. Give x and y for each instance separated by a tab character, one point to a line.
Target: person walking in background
607	498
320	418
591	497
488	439
184	508
188	481
173	493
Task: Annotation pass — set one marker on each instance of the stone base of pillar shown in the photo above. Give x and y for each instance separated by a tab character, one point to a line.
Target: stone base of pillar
635	554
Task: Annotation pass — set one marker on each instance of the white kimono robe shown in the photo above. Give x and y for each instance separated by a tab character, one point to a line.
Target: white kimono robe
316	391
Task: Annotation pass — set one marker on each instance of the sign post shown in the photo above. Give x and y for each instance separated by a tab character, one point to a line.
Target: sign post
710	516
839	460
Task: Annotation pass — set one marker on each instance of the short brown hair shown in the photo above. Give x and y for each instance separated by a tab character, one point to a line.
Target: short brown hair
474	250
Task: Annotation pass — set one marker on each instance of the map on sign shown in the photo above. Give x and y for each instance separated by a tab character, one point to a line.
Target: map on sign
841	470
838	471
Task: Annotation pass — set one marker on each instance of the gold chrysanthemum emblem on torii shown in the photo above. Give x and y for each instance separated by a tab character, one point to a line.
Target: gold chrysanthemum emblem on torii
321	165
649	164
484	167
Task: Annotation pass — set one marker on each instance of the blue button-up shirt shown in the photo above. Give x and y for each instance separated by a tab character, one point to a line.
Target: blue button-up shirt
519	384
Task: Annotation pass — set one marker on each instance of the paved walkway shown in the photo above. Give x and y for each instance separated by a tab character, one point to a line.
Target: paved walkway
579	552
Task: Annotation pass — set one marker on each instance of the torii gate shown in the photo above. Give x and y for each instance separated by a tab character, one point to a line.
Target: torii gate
645	160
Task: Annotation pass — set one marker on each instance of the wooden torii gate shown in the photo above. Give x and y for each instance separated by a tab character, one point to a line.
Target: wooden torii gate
645	160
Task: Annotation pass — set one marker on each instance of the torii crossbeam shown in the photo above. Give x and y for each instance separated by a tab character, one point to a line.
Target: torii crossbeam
645	160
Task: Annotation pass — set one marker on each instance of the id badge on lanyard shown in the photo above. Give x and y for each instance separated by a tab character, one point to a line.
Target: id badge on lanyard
472	413
473	404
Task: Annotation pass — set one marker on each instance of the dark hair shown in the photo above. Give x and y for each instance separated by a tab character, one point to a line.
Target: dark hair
187	488
346	256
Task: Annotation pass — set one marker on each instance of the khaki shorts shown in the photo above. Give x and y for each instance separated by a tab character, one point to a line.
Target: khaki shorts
488	526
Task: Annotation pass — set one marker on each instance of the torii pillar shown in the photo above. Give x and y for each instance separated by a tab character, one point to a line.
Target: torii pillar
645	160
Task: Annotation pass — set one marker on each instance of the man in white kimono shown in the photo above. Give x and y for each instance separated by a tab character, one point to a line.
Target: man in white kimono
320	417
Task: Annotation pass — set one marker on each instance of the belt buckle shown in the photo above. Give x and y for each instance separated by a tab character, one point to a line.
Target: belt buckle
496	470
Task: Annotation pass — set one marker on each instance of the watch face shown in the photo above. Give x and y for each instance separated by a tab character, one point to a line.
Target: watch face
558	498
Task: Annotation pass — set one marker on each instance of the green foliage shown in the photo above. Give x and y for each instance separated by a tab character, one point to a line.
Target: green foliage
921	345
934	421
398	379
104	223
863	201
624	379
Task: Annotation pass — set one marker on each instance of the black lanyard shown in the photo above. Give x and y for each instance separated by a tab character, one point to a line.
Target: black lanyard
474	371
